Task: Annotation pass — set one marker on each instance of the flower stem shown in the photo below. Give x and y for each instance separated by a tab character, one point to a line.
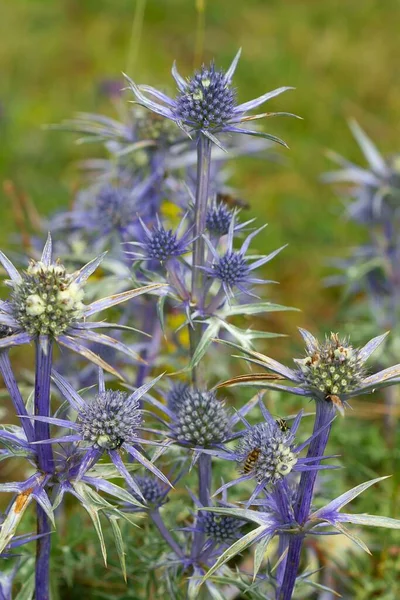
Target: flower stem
159	523
202	187
324	414
13	389
44	354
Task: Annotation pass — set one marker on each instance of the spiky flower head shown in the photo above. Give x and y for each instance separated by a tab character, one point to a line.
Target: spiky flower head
218	219
160	243
114	209
219	528
333	367
208	100
47	299
109	420
153	491
201	419
176	395
231	268
206	103
266	452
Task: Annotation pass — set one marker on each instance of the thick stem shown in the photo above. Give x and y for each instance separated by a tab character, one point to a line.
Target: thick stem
159	523
202	187
13	389
44	353
324	413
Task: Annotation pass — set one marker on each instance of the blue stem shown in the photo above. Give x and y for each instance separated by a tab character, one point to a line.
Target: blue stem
324	414
159	523
205	475
44	354
202	188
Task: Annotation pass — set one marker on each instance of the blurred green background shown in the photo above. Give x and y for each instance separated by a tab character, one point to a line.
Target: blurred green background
340	56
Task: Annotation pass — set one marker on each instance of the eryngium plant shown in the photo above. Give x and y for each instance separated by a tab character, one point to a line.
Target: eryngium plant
165	457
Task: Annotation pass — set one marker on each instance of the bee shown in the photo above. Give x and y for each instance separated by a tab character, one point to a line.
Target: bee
251	460
337	402
231	201
282	424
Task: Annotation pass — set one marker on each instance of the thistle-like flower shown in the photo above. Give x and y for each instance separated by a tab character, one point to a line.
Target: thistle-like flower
206	103
162	244
267	454
47	301
233	268
108	423
333	371
376	189
218	219
176	394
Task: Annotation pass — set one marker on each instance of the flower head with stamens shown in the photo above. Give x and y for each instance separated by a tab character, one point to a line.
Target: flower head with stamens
206	103
332	371
108	423
218	219
233	268
46	301
267	454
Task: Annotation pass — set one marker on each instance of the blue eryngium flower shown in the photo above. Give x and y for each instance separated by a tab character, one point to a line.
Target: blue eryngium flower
332	371
375	189
206	103
233	268
47	302
162	244
267	454
108	423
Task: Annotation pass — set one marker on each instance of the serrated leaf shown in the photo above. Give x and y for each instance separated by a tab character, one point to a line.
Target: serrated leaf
354	538
206	339
370	520
254	309
92	503
27	590
119	544
259	553
235	549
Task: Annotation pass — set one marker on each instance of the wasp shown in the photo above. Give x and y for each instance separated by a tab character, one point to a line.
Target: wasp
231	201
282	424
251	460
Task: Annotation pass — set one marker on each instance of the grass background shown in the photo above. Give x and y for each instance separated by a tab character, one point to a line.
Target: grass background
342	57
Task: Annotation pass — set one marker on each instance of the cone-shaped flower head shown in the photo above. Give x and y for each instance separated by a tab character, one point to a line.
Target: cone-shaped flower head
266	452
110	419
115	210
333	367
220	528
201	419
218	219
176	394
47	299
160	243
208	101
153	491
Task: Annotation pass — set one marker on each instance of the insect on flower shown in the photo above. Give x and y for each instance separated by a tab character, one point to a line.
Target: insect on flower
251	460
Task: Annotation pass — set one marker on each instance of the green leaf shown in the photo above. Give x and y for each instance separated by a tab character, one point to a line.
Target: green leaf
206	339
13	518
118	543
93	503
235	549
27	590
352	537
254	309
370	520
259	553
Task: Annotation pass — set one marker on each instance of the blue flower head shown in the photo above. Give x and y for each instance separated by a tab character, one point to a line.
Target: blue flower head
115	210
221	529
110	419
206	103
233	268
218	219
162	244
